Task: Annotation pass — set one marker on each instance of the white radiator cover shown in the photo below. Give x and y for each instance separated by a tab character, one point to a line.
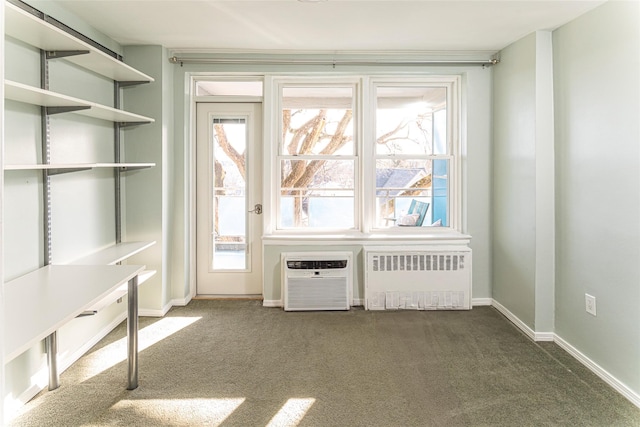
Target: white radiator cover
436	278
317	288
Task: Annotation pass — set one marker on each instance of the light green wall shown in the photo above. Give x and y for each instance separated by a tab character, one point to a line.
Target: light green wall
523	182
148	191
597	100
514	192
476	174
566	204
2	316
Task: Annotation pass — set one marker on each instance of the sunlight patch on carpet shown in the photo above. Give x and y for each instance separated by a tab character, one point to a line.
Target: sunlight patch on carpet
100	360
196	412
291	413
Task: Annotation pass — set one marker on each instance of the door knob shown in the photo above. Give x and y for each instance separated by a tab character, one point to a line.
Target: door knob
257	209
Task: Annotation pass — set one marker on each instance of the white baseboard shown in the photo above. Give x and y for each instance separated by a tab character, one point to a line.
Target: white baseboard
514	319
12	406
357	302
146	312
64	363
478	302
620	387
617	385
181	302
272	303
536	336
545	336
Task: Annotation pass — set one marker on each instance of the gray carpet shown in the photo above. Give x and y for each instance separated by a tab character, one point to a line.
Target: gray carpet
235	363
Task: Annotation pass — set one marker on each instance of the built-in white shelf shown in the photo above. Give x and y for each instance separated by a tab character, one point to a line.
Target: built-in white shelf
46	98
114	254
116	294
124	166
44	300
75	167
35	31
80	166
111	255
39	303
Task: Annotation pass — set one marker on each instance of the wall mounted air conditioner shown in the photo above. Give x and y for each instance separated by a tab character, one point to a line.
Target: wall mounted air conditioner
427	278
317	281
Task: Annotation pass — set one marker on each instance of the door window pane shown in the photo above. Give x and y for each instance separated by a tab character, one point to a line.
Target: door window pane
229	221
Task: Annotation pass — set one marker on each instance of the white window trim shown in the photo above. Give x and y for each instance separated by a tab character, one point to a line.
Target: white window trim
454	191
273	128
364	118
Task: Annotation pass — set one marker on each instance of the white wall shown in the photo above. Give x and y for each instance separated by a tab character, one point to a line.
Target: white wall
597	96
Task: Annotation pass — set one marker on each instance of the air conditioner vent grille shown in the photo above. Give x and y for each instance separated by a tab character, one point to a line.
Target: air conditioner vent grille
316	264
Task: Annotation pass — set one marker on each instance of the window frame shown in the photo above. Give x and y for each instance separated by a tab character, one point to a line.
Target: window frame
364	112
278	155
453	118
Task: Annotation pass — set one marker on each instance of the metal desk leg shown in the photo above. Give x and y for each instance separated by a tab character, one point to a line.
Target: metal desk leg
132	334
51	346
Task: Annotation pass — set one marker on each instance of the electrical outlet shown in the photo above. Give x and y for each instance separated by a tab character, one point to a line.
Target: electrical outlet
590	304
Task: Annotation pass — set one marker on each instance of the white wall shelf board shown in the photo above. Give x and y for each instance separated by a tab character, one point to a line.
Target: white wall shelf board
114	253
80	166
75	167
31	29
117	294
109	256
44	300
125	166
45	98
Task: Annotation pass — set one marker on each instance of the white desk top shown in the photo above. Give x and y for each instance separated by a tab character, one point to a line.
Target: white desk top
41	302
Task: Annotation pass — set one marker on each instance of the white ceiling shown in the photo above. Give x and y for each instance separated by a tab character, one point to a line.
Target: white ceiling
332	25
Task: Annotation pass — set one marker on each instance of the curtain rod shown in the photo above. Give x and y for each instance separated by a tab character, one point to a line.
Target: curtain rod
331	62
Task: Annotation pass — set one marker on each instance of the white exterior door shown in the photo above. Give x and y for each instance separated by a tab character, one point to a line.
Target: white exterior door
228	192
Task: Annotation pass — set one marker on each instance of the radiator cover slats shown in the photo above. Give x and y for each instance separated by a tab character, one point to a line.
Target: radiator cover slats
437	279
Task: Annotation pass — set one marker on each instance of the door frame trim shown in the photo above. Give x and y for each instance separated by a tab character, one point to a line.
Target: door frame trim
189	196
245	278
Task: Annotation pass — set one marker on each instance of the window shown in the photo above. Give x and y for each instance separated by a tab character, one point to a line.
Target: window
412	155
317	158
401	170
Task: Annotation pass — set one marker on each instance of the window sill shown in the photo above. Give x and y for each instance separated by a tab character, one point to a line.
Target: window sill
441	237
